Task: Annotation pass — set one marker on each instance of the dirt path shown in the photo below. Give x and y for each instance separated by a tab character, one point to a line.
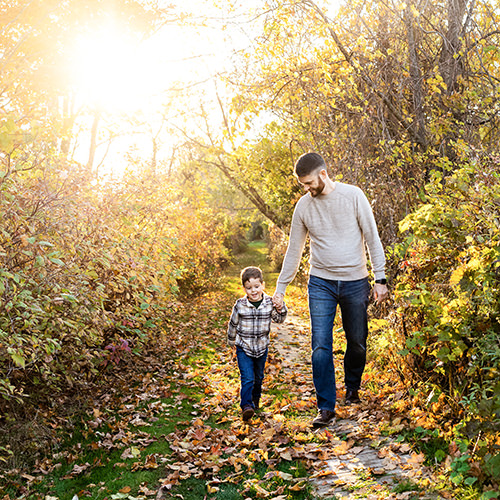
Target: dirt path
362	456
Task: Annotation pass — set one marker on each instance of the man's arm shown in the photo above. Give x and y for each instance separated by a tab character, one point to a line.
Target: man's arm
375	249
296	241
366	221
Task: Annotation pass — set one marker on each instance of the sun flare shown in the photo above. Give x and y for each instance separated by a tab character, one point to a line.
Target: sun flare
115	73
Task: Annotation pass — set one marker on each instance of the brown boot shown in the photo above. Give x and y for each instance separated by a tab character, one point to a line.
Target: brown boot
248	412
324	418
352	397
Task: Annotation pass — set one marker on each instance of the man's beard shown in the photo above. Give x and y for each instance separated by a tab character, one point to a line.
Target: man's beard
317	190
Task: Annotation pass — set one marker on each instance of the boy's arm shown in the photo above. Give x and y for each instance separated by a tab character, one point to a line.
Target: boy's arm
279	315
231	328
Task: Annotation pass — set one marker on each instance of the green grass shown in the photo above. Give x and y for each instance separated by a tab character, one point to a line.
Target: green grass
405	486
107	472
255	255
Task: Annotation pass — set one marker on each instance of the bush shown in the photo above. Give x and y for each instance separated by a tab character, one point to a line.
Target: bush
86	267
448	296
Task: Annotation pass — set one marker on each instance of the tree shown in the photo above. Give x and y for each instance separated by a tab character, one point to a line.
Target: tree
386	92
37	42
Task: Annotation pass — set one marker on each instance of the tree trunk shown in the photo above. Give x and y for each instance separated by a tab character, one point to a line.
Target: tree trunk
450	61
419	124
93	141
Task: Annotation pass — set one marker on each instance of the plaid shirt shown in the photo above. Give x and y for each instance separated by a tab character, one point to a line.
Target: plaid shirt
249	326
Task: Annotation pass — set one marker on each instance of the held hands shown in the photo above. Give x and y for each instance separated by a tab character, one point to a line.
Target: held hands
278	301
380	292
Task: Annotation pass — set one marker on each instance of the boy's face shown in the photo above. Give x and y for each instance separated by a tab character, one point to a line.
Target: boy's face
254	289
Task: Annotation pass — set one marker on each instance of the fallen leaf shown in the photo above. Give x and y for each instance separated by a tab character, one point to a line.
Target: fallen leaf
286	455
343	448
416	458
146	491
298	486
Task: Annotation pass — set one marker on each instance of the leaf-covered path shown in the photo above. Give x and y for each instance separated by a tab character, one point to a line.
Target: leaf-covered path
362	457
169	426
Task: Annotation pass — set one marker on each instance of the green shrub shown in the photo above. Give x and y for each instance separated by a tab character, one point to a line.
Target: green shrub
86	266
448	297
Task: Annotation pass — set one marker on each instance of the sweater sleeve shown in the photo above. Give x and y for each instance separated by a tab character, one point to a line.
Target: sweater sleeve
296	242
368	226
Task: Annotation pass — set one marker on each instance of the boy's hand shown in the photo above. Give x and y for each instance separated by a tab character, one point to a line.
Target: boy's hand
278	301
233	352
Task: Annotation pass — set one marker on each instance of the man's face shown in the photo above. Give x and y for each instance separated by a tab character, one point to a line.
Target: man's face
254	289
312	183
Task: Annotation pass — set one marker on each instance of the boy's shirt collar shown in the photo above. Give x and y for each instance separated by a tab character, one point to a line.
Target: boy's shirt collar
264	296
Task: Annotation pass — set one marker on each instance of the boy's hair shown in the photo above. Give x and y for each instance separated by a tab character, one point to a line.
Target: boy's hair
251	272
309	163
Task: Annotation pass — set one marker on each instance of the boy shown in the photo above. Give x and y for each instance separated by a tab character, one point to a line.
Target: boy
248	330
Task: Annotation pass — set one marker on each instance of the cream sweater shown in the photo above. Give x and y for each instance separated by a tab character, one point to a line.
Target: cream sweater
340	225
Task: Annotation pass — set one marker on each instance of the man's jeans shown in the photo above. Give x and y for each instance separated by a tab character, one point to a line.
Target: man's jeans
353	297
252	375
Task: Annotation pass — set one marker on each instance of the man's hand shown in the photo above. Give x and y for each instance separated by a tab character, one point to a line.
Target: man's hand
380	292
278	301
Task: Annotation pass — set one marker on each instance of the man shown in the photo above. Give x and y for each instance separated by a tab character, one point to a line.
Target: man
340	223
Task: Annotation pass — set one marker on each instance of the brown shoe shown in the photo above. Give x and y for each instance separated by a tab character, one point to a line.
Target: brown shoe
324	418
351	397
248	412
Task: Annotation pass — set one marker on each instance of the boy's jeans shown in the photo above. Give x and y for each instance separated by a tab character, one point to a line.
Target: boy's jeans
353	297
252	375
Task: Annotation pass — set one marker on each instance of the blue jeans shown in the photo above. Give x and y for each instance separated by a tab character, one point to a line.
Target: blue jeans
353	298
252	375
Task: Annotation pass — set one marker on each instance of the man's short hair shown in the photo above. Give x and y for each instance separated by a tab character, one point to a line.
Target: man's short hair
309	163
251	272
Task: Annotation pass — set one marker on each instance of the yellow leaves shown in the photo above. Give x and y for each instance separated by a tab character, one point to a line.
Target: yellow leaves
416	458
299	486
212	489
473	259
198	423
436	83
456	276
132	452
324	473
474	264
377	324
